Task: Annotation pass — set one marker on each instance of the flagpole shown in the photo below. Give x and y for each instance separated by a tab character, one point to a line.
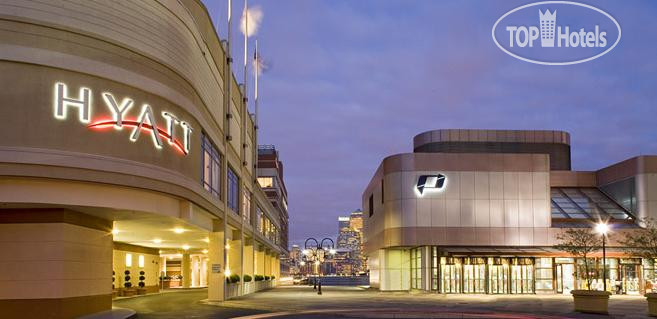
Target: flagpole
257	71
246	43
227	109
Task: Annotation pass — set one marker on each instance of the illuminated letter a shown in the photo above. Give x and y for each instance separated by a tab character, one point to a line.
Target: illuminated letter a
147	114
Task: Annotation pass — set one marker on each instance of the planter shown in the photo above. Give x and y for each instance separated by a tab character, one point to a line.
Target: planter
141	291
652	303
128	292
249	287
232	290
591	301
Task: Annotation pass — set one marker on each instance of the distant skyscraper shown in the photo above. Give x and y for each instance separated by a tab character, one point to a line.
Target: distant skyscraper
350	240
356	220
343	223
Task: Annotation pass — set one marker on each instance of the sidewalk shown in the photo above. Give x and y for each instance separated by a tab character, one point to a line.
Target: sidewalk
297	299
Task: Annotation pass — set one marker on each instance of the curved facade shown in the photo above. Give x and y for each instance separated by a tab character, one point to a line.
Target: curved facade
116	116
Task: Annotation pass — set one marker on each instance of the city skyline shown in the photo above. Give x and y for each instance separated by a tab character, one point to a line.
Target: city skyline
348	69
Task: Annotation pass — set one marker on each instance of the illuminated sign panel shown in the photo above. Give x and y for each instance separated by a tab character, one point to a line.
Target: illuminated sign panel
426	183
144	122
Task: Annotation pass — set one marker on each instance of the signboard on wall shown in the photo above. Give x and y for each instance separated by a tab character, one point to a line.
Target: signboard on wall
428	183
176	131
216	268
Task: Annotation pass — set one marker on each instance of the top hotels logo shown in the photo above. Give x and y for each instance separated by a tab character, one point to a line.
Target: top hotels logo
535	33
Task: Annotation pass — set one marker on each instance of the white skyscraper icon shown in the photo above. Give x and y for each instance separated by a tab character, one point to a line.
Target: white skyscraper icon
548	21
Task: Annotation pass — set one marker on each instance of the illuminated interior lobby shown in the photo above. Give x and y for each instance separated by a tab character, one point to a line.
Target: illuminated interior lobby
479	211
127	145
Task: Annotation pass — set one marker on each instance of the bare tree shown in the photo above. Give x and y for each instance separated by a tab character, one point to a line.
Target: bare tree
642	242
579	242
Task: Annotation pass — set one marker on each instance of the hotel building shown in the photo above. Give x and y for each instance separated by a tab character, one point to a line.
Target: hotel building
478	211
126	145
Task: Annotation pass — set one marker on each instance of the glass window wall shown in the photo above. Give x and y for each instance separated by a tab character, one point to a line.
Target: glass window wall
233	191
416	268
211	167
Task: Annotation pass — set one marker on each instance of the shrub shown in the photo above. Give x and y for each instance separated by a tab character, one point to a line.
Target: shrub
141	279
273	277
267	277
259	278
127	282
234	278
247	278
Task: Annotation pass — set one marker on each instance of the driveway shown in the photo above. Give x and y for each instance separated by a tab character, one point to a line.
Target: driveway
179	304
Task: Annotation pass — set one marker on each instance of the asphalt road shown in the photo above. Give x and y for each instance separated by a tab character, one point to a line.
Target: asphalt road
179	304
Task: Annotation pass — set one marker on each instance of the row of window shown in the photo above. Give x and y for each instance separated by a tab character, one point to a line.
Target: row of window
266	227
211	177
128	260
211	180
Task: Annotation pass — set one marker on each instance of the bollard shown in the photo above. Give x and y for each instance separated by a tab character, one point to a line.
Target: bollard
319	292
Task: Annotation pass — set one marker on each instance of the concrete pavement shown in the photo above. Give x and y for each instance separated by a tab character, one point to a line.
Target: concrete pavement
351	302
422	305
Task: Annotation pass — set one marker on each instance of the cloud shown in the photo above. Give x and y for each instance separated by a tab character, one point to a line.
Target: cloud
250	20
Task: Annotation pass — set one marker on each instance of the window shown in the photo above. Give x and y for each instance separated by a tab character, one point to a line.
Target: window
383	191
416	268
434	268
585	203
371	205
140	261
259	219
211	177
233	191
544	276
246	206
266	182
128	260
623	192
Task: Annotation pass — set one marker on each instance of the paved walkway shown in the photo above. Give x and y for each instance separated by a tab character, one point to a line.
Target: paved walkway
350	302
419	305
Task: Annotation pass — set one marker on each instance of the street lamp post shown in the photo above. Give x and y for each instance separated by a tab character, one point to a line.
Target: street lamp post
330	249
310	255
315	254
603	228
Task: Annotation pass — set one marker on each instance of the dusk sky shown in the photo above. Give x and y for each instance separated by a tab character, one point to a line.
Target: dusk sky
352	82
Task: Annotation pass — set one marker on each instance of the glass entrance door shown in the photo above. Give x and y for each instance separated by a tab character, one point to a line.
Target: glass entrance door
474	279
499	279
522	279
630	278
565	278
450	278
